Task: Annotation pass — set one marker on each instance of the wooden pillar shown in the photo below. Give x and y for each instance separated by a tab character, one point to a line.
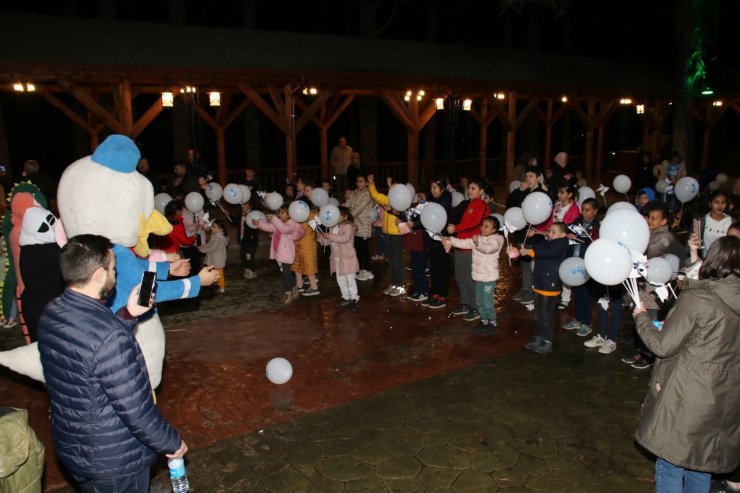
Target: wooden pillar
548	134
483	151
125	110
511	139
324	142
290	147
221	156
599	149
93	137
412	156
589	158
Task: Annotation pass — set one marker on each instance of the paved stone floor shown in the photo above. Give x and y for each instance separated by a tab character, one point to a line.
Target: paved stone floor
392	398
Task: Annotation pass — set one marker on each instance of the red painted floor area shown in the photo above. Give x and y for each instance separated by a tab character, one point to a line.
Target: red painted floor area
215	385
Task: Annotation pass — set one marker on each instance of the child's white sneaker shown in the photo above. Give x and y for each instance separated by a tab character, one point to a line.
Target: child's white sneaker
595	341
608	347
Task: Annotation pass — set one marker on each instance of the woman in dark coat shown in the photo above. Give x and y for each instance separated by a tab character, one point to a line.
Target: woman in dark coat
691	415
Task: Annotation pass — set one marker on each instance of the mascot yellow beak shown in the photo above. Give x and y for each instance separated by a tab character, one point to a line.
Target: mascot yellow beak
156	224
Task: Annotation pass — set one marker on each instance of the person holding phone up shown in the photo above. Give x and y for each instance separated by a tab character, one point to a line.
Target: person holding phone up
107	431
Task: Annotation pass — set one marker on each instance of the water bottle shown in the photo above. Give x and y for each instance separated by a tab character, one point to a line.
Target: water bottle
177	475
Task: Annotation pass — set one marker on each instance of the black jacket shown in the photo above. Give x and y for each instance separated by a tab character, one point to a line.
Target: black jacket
548	256
104	421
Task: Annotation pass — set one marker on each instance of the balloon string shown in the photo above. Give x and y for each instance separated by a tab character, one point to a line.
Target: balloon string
218	203
529	226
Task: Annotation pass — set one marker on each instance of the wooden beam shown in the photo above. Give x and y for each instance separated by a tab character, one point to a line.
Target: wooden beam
205	116
264	107
277	100
125	110
147	118
736	107
525	112
510	138
427	112
92	106
235	114
576	107
329	121
66	110
395	104
502	114
223	110
308	113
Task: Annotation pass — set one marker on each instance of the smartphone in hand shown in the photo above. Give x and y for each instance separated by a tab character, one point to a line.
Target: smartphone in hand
148	281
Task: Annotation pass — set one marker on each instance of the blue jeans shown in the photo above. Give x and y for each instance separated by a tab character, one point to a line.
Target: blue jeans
464	277
544	316
394	251
484	299
615	307
137	482
287	277
582	303
674	479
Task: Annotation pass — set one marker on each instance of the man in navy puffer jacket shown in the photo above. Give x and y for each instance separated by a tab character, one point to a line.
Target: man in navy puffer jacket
107	430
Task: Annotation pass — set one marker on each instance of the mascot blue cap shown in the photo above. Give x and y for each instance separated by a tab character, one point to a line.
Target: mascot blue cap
118	153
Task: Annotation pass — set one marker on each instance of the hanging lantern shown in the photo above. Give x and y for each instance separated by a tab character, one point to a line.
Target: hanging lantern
214	98
168	99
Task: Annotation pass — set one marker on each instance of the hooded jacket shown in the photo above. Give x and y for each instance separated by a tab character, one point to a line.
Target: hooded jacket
690	416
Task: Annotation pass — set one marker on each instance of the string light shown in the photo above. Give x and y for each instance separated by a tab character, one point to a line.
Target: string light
717	103
564	99
499	95
640	108
20	87
625	101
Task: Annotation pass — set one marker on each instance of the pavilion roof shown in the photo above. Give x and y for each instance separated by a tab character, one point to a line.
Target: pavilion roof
91	51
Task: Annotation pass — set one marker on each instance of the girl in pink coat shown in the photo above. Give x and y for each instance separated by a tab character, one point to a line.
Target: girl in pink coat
486	248
285	232
343	260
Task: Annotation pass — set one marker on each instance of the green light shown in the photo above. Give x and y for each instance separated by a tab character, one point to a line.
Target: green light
707	92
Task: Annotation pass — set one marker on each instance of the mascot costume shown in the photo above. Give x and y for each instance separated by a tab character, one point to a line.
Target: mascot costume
103	194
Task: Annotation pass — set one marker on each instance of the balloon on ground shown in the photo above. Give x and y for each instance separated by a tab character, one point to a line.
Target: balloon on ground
279	371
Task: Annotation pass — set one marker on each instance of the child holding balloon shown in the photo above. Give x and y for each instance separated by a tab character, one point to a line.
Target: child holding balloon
486	248
216	251
248	241
392	239
715	224
343	260
306	258
285	232
547	284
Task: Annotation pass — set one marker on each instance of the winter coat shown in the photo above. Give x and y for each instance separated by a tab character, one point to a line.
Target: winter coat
389	220
659	244
21	453
306	259
103	418
691	415
282	243
485	255
470	222
216	250
548	256
343	259
361	204
175	239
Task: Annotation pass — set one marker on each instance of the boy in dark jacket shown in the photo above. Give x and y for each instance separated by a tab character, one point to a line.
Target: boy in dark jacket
547	285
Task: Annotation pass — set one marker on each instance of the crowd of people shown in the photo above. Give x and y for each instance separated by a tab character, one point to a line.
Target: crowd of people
689	420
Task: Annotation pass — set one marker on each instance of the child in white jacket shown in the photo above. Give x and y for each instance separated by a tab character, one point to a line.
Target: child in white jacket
486	248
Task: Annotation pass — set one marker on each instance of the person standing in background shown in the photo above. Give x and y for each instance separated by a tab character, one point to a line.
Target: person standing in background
340	160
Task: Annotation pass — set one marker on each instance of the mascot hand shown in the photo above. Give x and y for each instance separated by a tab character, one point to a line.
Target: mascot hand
208	275
180	268
133	306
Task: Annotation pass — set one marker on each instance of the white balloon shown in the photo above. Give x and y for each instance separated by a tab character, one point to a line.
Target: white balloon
194	202
713	185
457	198
573	271
627	227
536	208
514	185
299	211
246	193
433	217
659	270
233	194
279	370
620	206
686	189
400	197
721	178
499	217
329	215
411	189
675	264
513	217
214	191
622	183
608	262
274	201
661	186
333	201
161	200
319	197
374	214
585	193
258	215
